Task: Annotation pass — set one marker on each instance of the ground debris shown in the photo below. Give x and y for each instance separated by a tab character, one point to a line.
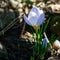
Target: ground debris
28	36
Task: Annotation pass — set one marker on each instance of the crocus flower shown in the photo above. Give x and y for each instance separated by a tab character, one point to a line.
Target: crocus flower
35	17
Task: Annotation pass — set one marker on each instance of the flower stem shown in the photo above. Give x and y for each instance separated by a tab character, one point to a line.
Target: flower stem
37	42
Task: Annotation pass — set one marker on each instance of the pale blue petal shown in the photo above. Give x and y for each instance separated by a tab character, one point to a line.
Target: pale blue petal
33	21
40	19
41	12
34	12
26	19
